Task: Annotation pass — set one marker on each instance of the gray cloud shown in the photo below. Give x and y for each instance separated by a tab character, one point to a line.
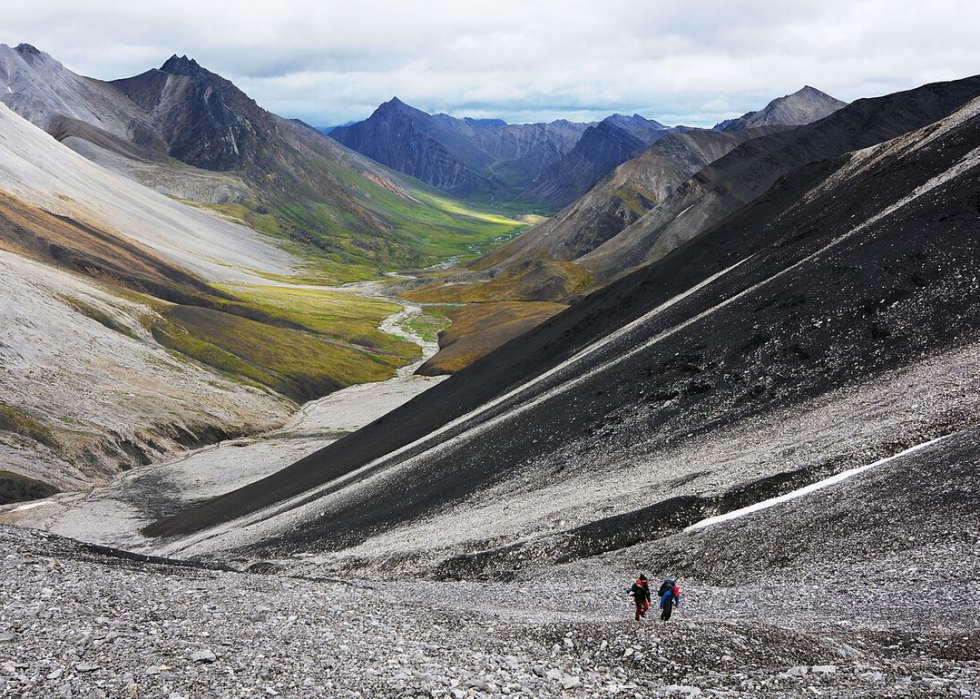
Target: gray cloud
695	62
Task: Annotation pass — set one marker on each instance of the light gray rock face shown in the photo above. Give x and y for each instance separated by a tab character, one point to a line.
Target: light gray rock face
802	107
47	94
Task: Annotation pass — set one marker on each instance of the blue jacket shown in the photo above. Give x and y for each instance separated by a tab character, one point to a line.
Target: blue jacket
669	597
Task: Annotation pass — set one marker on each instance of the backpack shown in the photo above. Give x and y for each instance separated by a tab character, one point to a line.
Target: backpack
665	586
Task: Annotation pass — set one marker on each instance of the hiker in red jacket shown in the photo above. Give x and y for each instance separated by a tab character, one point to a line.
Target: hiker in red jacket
641	595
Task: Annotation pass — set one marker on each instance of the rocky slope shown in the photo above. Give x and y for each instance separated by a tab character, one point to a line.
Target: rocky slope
714	378
810	596
462	156
802	107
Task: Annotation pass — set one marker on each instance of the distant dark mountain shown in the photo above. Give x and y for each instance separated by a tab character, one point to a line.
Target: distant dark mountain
438	151
461	156
802	107
602	147
830	310
151	127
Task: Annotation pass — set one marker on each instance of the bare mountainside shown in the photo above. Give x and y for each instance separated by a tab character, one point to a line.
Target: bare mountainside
191	133
714	378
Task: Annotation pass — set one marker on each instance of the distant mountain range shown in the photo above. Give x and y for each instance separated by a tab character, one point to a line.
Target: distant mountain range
461	156
602	147
540	165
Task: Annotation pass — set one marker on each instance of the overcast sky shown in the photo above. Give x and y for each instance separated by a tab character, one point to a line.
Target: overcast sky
693	62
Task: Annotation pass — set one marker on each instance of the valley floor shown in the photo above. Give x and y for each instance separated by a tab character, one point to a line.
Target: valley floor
115	512
85	622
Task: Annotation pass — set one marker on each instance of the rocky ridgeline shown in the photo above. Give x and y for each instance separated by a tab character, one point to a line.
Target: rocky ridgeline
79	622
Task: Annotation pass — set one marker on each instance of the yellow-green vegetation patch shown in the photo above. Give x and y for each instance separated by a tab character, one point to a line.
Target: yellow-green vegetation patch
337	315
20	422
532	219
428	325
631	198
297	364
455	206
478	329
536	280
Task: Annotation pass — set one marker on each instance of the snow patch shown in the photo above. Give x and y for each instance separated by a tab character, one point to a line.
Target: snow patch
813	487
31	505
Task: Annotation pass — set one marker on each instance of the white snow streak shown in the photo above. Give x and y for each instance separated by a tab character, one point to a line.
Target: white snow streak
31	506
813	487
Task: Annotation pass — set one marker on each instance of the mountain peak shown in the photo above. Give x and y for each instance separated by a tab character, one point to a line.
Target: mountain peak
28	50
33	55
804	106
395	105
181	65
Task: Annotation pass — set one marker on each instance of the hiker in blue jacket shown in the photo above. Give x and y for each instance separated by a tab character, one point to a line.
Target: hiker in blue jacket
670	597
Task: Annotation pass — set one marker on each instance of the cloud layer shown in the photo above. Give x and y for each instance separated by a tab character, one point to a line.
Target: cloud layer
695	63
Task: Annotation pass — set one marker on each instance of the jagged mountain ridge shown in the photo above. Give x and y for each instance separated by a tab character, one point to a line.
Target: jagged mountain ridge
460	156
203	118
835	286
802	107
